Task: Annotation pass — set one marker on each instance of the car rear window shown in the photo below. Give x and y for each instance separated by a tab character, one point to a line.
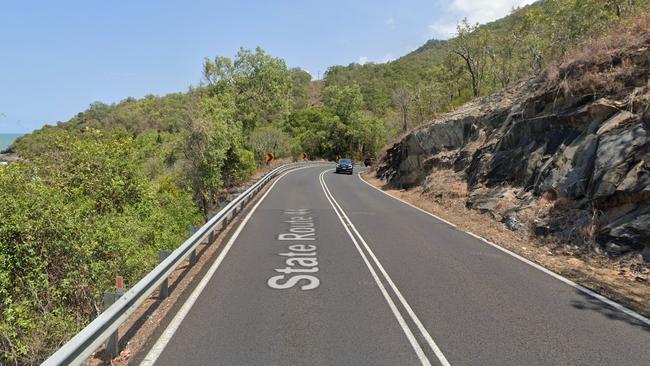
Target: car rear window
345	161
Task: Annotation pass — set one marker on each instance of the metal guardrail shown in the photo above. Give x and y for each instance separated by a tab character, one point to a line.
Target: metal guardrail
77	350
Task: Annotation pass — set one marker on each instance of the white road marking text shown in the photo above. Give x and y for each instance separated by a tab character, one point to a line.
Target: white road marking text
301	261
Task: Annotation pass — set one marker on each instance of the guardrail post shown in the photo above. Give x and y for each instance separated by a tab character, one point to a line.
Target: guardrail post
112	343
224	223
235	210
193	229
112	346
164	286
242	203
211	237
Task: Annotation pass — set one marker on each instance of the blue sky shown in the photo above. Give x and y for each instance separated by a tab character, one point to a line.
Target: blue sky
59	56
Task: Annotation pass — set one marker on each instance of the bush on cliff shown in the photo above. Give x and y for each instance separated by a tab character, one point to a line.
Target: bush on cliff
73	218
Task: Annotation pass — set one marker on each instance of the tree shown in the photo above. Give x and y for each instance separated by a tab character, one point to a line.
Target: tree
320	132
502	63
471	44
219	75
402	99
529	33
426	101
205	150
343	101
368	134
260	84
300	80
269	139
214	150
450	78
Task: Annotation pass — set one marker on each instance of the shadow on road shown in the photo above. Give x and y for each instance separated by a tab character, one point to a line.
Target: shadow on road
593	304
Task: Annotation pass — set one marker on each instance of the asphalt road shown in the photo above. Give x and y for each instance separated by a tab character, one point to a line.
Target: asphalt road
327	270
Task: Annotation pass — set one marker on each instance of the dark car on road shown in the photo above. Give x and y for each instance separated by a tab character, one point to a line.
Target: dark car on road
344	166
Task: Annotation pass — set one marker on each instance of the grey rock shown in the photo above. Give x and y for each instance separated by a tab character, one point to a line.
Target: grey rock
9	158
645	254
613	157
630	228
513	223
617	249
594	153
541	230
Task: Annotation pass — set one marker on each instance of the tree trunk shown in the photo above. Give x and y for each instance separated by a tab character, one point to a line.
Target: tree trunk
475	87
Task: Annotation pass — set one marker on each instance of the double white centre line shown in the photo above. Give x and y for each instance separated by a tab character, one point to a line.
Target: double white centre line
356	239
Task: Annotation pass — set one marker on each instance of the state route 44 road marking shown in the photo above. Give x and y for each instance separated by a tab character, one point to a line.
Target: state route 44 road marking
301	256
168	333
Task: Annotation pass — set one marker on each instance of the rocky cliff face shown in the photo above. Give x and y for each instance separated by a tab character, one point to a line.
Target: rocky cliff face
576	137
6	158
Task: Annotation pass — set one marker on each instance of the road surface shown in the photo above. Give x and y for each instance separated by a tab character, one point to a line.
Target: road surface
327	270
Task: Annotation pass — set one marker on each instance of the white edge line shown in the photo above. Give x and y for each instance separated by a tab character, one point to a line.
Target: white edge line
432	344
168	333
409	204
400	319
567	281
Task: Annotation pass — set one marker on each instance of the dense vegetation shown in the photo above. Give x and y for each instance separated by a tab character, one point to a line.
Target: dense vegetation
480	60
73	217
100	194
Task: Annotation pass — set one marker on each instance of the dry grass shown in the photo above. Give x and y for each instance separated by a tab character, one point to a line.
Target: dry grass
625	280
449	186
606	65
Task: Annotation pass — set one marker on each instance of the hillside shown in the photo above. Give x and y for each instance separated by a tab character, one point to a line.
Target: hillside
480	60
102	193
563	155
378	80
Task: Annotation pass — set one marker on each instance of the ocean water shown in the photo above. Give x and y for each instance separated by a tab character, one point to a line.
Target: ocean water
7	139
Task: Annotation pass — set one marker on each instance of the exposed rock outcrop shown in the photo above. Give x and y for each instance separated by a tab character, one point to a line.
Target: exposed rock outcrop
583	147
10	157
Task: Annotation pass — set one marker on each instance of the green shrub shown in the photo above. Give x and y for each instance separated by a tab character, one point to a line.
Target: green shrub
72	219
